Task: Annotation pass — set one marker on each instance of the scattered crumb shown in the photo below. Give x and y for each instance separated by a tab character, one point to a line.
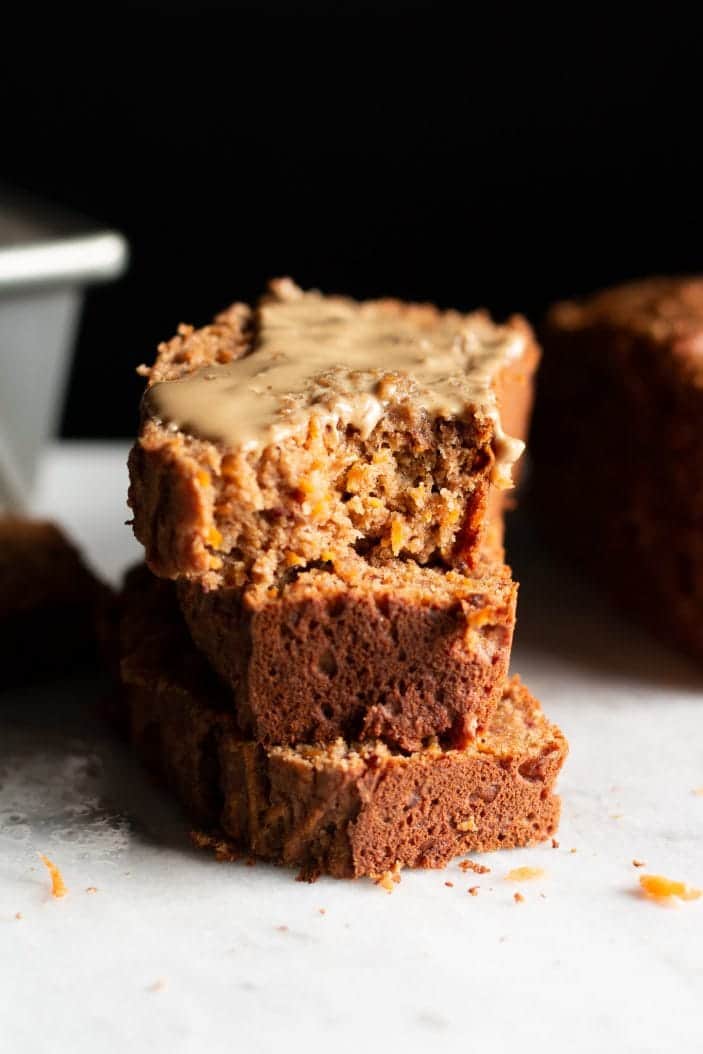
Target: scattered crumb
282	929
159	985
573	850
519	874
660	888
518	898
92	889
450	884
58	886
323	911
555	844
698	791
389	879
473	890
638	863
19	915
471	865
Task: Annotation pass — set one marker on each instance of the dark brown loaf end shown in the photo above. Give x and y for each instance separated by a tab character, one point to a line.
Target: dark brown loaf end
54	613
396	652
618	446
341	809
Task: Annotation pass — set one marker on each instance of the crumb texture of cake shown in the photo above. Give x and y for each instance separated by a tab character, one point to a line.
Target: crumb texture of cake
344	809
51	604
618	445
312	426
397	652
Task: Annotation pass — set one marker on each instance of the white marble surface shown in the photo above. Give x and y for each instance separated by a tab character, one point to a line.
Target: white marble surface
176	952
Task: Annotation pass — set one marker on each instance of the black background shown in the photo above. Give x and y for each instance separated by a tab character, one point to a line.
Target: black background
498	161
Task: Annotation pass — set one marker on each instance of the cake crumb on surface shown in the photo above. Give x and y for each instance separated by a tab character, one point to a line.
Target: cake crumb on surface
282	929
322	911
555	843
159	985
698	791
520	874
92	889
450	884
518	898
573	850
58	886
19	915
389	879
473	890
471	865
658	887
637	863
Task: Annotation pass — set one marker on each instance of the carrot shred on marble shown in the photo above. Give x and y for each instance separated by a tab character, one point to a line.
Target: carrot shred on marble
58	886
519	874
661	888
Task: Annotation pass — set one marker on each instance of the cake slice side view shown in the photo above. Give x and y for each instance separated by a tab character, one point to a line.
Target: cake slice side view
313	426
342	809
397	652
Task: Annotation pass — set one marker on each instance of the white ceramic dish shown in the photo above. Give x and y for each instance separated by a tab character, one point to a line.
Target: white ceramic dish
46	260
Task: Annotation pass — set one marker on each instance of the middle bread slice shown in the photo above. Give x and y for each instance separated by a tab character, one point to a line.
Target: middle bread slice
397	652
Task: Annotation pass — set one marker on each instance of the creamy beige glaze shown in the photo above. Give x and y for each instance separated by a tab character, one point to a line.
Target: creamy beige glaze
345	363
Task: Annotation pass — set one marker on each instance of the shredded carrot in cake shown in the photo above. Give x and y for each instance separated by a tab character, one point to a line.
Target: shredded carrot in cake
660	888
519	874
58	886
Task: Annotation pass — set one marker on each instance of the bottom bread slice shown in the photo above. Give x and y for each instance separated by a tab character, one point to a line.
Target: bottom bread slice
342	809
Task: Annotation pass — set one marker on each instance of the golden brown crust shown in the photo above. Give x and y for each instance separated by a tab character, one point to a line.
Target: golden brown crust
343	809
